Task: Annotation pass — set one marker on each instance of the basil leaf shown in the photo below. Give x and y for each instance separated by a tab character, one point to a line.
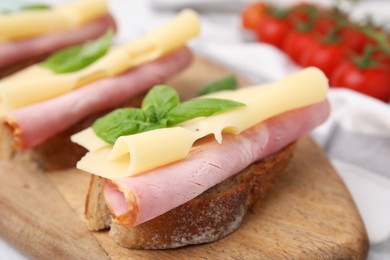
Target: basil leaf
35	7
226	83
78	57
120	122
159	101
199	108
160	108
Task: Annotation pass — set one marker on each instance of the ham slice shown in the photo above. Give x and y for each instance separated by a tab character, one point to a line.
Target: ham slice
17	51
137	199
34	124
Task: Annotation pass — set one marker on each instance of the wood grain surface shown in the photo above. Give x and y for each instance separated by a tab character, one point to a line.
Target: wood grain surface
309	214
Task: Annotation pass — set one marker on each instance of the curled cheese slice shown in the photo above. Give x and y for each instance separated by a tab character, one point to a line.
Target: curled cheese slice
126	155
15	94
36	84
138	153
168	37
297	90
27	24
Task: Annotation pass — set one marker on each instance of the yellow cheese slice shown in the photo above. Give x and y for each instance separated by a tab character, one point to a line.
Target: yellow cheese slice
130	145
36	84
89	140
25	24
138	153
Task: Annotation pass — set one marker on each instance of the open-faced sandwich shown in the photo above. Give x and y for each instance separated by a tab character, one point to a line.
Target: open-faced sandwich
34	31
172	174
45	103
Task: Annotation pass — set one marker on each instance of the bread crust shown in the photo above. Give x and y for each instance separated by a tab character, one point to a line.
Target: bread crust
212	215
96	212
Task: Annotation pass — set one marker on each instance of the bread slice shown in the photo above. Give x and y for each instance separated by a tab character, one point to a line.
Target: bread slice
96	212
212	215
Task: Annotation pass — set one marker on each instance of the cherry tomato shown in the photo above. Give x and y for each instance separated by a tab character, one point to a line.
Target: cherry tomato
385	61
273	30
253	14
353	39
302	13
296	43
328	19
323	24
372	81
382	59
324	56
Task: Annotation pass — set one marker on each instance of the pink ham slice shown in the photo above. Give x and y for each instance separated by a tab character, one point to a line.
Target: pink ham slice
34	124
14	52
134	200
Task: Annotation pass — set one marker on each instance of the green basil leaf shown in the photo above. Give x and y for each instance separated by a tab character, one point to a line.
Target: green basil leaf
199	108
120	122
35	7
226	83
160	108
159	101
78	57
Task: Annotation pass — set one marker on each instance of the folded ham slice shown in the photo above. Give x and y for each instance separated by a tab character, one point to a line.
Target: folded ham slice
137	199
34	124
17	51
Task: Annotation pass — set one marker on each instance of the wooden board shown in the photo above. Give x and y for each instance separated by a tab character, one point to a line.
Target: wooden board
308	215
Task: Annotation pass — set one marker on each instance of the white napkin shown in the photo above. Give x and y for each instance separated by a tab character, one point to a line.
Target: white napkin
357	138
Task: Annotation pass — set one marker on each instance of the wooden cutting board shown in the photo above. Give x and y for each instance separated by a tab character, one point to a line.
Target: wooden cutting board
309	214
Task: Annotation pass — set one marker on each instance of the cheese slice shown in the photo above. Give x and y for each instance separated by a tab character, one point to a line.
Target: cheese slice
138	153
89	140
36	84
26	24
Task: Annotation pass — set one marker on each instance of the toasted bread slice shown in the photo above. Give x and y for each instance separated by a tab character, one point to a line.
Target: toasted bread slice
97	214
210	216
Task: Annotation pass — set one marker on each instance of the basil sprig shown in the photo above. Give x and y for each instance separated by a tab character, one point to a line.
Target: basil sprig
74	58
226	83
160	108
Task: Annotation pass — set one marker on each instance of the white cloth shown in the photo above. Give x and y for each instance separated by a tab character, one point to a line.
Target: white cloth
356	136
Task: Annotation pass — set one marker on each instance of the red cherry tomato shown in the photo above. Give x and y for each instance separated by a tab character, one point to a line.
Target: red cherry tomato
273	30
323	24
253	14
382	53
296	43
373	81
354	39
302	13
324	56
383	59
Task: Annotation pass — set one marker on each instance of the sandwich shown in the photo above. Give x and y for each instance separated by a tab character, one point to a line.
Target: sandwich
42	105
173	174
32	32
